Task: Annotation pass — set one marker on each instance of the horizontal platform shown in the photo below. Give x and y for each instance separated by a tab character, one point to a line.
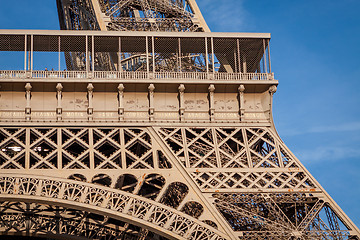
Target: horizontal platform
145	77
136	34
85	124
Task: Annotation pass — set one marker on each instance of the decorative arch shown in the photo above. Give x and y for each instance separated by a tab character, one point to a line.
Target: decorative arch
102	179
78	177
151	186
175	194
62	223
116	204
126	182
193	209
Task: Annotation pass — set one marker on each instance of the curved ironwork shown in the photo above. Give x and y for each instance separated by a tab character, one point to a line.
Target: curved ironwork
117	204
57	222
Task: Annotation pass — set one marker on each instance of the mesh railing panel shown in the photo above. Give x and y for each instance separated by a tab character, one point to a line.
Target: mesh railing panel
241	55
46	53
167	57
225	50
105	55
12	52
133	54
134	57
193	55
74	49
251	51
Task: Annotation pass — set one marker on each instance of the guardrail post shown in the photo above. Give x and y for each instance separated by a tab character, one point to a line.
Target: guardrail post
25	52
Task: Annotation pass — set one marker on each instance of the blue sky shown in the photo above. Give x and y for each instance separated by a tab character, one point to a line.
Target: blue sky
315	51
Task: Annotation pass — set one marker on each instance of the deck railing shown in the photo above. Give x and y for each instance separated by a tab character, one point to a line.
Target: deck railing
113	75
12	74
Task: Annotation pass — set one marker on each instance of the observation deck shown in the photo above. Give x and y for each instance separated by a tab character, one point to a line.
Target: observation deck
134	76
245	56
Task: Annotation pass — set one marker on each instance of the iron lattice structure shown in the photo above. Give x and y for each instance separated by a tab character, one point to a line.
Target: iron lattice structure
131	15
158	129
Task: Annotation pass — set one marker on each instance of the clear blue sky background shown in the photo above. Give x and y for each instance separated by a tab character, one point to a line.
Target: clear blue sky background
315	51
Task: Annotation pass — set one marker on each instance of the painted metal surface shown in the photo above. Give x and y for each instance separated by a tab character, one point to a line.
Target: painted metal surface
158	129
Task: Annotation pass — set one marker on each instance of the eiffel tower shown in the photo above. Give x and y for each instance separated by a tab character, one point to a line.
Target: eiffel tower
157	129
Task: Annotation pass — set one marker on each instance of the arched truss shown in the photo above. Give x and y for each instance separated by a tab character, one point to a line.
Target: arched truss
89	198
57	222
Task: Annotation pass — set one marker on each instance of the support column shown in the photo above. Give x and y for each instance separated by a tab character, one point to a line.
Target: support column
59	54
90	109
92	57
25	52
153	56
87	55
179	57
244	63
264	56
119	56
32	54
151	89
28	88
181	102
269	55
241	90
147	57
211	100
206	55
212	55
59	88
121	101
238	55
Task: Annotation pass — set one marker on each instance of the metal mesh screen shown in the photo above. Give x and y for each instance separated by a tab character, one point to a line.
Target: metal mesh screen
133	53
105	57
225	50
210	56
12	52
251	53
193	55
74	49
46	53
167	57
121	56
241	55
